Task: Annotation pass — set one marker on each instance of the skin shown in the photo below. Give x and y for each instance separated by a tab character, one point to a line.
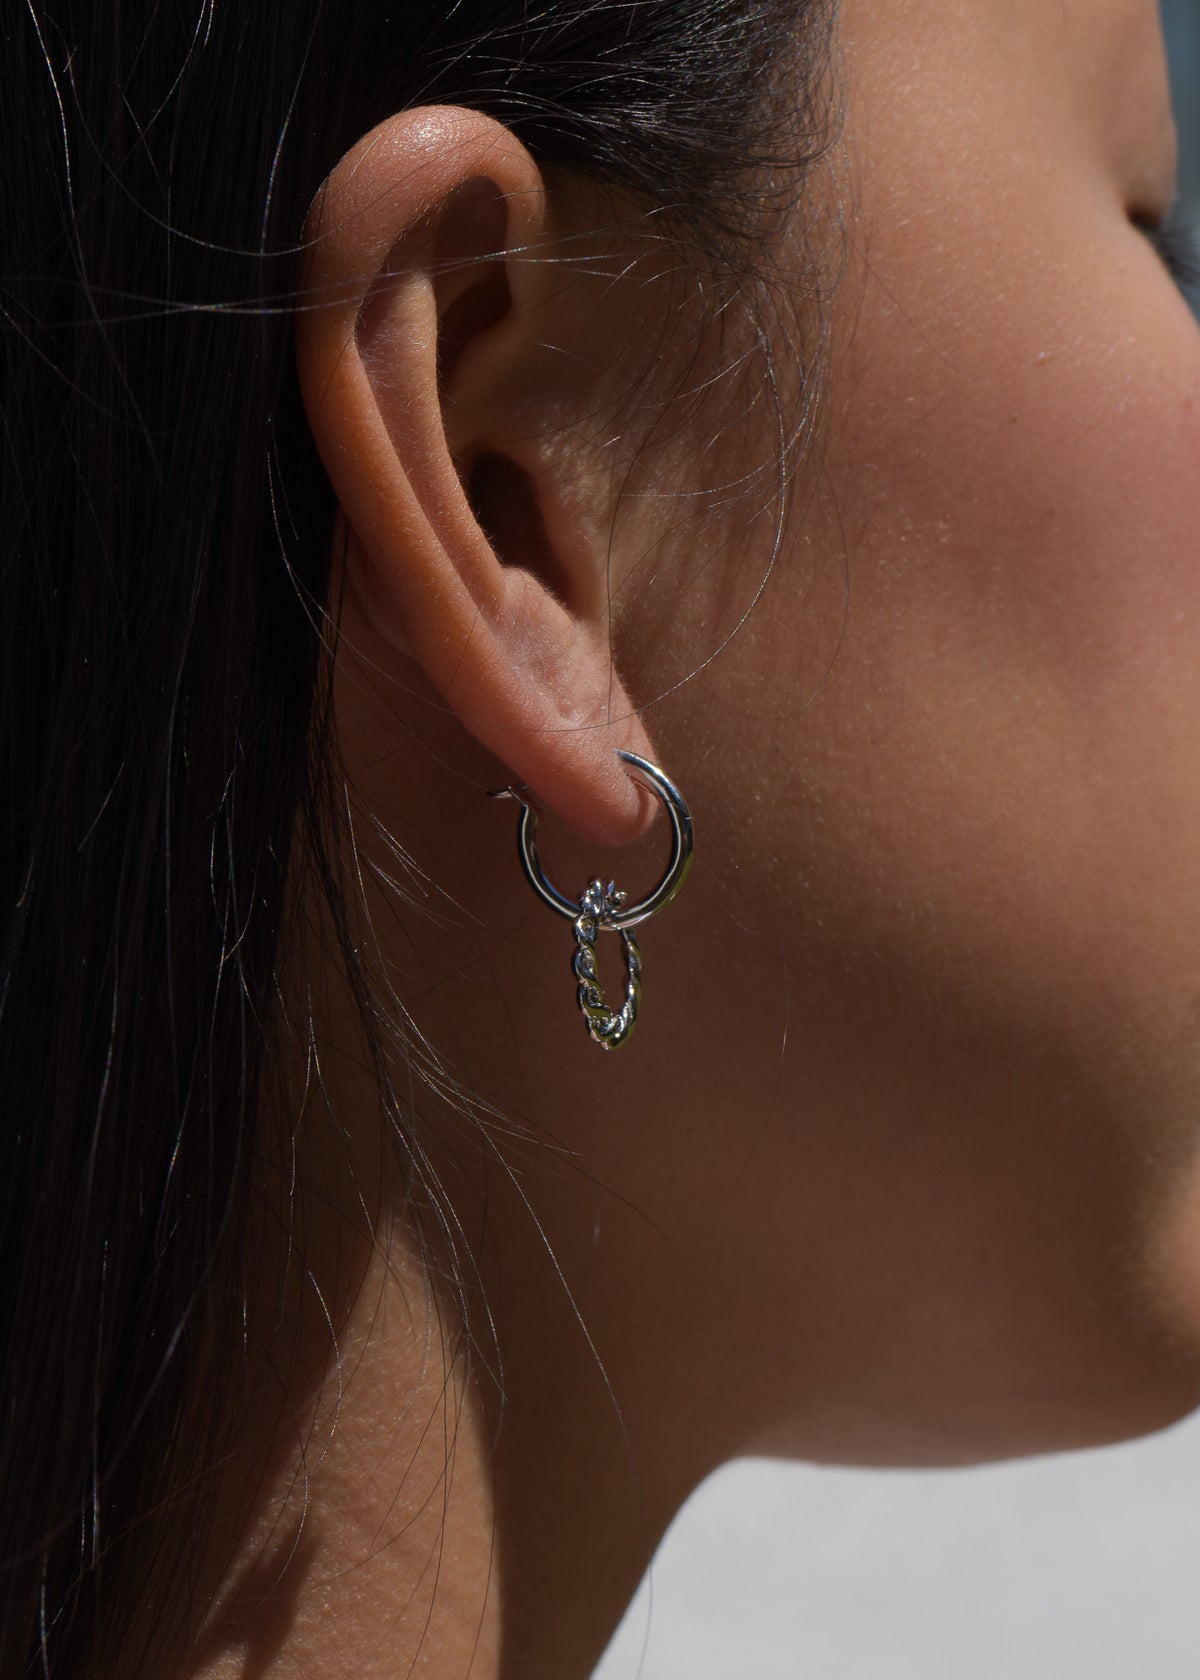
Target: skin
900	1165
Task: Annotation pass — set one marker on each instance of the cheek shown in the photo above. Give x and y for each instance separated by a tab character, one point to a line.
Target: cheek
999	781
1065	473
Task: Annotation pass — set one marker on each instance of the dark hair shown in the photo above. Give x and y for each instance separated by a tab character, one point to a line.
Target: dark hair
166	531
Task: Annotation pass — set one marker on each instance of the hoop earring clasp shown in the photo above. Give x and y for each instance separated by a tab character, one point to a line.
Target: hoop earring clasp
600	905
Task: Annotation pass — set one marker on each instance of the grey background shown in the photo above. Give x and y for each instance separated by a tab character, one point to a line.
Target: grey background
1181	19
1085	1567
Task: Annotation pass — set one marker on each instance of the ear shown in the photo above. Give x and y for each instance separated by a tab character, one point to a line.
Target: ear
426	358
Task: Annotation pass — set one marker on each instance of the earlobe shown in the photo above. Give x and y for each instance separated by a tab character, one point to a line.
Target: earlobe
421	348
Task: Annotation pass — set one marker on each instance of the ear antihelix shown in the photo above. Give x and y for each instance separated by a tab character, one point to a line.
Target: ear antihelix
471	277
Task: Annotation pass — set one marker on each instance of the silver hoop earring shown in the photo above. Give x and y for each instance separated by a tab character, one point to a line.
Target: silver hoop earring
600	905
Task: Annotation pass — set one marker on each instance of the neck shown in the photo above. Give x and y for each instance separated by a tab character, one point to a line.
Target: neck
426	1506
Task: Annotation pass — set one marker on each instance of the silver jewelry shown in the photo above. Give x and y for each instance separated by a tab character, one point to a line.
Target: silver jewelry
600	905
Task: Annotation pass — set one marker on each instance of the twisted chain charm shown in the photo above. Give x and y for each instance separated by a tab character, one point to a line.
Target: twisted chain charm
600	906
597	906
